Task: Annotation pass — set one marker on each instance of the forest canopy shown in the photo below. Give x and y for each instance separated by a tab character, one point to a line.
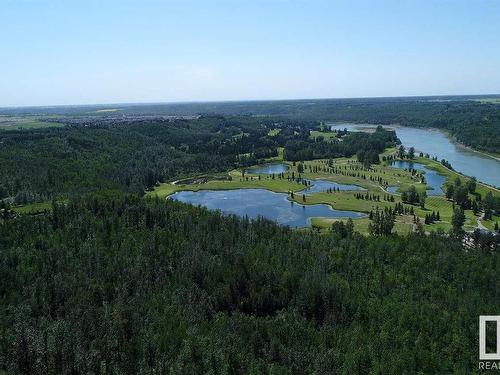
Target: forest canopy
127	285
38	165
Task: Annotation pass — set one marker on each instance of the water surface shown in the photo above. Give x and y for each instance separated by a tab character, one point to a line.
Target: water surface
261	202
433	179
392	189
320	186
436	143
274	168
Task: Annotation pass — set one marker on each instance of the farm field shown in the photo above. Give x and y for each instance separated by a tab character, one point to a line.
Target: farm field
17	123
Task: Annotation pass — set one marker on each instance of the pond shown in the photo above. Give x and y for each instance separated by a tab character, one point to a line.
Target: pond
274	168
392	189
261	202
436	143
320	186
433	179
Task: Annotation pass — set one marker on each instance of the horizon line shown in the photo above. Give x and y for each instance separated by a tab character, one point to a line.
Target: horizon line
183	102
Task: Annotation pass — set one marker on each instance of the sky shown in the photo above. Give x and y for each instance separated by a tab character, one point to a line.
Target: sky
62	52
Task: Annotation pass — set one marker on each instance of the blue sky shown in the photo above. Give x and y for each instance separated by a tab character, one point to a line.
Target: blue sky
82	52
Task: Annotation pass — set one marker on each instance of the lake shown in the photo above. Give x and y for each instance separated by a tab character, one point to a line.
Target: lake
436	143
274	168
261	202
432	178
320	186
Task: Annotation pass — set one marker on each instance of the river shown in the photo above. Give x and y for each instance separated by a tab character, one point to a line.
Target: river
436	143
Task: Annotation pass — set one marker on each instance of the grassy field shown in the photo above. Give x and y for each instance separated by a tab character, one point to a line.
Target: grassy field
273	132
277	158
16	123
326	135
490	224
33	207
488	100
360	225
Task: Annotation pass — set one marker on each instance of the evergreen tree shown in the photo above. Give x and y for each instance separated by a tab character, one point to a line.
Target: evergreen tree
458	220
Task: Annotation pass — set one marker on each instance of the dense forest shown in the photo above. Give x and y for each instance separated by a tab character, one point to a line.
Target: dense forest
119	284
40	164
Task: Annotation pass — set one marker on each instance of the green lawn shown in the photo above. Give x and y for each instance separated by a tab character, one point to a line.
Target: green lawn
33	207
361	225
490	224
347	174
326	135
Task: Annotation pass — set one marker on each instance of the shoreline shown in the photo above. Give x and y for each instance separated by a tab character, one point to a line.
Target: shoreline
448	135
428	163
459	144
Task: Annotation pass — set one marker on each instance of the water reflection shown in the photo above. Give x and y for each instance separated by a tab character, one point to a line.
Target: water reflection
261	202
